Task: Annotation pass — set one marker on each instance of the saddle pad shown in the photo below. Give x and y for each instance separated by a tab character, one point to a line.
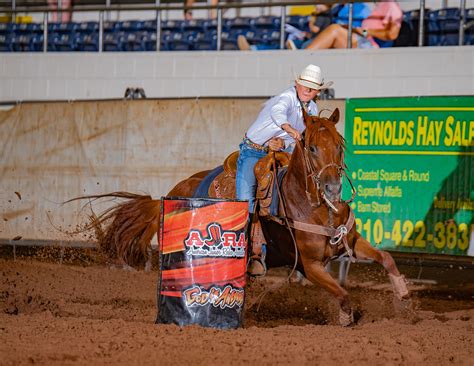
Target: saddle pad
202	191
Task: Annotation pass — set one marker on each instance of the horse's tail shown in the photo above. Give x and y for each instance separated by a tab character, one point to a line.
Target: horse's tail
126	229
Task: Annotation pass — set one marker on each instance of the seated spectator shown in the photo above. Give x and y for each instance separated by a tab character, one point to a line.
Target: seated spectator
64	16
381	28
320	18
340	14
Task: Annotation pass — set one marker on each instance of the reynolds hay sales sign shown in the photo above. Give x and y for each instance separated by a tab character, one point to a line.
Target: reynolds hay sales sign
203	261
411	161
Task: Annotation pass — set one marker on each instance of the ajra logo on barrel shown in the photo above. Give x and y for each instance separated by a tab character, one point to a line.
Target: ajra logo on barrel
217	243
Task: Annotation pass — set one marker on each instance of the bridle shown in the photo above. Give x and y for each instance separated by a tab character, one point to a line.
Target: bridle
312	175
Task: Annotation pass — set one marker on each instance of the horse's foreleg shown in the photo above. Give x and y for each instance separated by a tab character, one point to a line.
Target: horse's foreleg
317	274
364	250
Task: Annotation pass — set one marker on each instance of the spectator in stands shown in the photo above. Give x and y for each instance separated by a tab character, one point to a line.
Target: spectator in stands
277	127
322	15
320	18
340	16
380	29
188	14
64	16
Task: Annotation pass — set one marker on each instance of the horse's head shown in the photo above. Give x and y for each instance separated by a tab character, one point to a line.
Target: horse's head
323	149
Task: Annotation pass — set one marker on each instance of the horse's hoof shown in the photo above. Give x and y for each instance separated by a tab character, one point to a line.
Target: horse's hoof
346	319
399	286
256	268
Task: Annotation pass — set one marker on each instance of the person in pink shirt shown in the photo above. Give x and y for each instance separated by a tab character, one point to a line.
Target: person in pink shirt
381	28
64	16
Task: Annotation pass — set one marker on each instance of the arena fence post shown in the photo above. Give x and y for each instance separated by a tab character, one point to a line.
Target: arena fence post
101	31
349	26
45	31
462	21
158	28
219	28
282	27
421	23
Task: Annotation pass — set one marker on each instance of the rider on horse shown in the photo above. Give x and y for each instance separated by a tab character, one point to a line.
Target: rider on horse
276	128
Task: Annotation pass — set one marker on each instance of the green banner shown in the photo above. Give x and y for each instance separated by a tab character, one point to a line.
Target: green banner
411	162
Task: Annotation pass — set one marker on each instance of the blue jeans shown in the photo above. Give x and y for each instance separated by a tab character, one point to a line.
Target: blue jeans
245	181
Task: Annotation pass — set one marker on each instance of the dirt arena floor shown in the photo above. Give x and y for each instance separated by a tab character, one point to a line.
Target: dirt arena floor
62	314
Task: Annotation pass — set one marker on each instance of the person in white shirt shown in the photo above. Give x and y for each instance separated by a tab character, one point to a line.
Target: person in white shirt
277	127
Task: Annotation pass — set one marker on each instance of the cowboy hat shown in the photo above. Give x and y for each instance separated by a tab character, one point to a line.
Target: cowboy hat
311	78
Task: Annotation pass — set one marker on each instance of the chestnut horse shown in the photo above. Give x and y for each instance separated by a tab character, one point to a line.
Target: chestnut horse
322	224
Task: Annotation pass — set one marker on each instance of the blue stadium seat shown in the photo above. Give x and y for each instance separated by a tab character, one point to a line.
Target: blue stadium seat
88	28
6	28
175	41
238	23
27	28
53	38
443	27
63	28
149	41
172	25
253	36
87	42
149	26
449	19
36	43
270	38
210	25
6	42
228	40
132	42
65	43
298	21
111	27
204	45
112	42
196	25
27	43
131	26
469	32
267	22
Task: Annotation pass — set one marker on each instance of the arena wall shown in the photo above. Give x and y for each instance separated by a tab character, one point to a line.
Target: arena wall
357	73
52	152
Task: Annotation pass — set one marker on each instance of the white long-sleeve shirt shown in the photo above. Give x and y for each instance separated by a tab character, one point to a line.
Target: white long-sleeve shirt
281	109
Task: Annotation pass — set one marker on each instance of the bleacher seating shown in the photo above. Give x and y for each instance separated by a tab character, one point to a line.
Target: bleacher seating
442	28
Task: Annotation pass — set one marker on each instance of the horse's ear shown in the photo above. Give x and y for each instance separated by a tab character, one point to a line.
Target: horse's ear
335	116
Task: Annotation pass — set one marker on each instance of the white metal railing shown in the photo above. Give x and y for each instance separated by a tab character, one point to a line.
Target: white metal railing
158	9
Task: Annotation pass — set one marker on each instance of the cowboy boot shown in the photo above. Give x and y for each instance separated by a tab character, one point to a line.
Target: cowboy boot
257	265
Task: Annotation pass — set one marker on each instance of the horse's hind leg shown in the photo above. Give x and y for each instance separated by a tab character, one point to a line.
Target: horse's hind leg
364	250
317	274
